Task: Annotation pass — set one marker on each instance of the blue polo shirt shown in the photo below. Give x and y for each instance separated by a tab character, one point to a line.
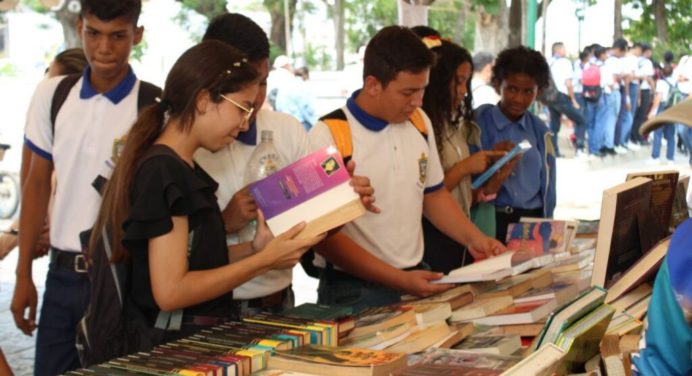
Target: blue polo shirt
523	187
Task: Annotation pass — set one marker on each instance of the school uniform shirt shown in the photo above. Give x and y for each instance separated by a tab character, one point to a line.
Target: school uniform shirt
630	66
402	166
684	69
611	69
227	166
455	147
164	187
645	69
82	147
561	69
532	183
578	69
483	93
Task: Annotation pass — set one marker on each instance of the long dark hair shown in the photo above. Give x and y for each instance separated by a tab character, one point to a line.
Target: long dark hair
437	101
210	66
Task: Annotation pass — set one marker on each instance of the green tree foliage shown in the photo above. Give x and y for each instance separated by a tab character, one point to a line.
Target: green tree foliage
454	20
365	17
677	21
207	8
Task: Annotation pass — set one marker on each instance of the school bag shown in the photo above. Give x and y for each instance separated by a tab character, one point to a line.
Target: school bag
591	82
674	96
550	94
337	122
112	314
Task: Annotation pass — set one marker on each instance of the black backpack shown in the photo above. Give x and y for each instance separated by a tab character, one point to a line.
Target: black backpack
550	95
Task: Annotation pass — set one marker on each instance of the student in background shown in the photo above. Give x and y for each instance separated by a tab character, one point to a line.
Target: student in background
78	152
482	90
663	87
519	75
645	73
376	257
160	207
270	291
70	61
447	101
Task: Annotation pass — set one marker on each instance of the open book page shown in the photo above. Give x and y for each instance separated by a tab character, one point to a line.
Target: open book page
492	269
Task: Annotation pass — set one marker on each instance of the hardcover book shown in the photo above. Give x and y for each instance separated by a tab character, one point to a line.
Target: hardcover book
581	340
663	187
541	236
543	362
488	344
681	208
624	233
315	189
379	318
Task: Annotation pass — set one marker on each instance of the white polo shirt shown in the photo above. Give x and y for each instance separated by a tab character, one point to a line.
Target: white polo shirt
561	69
644	70
86	129
402	167
227	167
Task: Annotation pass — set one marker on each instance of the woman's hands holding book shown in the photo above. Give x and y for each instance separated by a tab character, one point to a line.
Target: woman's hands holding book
282	251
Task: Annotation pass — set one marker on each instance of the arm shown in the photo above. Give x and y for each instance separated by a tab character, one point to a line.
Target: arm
570	93
174	286
442	211
35	196
341	250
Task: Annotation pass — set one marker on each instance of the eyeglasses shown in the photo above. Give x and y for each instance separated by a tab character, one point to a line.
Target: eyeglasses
248	111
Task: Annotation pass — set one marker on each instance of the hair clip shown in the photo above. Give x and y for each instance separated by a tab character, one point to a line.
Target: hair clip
164	104
432	41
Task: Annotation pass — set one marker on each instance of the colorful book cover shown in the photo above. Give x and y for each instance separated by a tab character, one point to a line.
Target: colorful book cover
340	356
306	190
519	148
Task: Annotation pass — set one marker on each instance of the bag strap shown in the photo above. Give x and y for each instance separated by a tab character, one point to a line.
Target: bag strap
60	95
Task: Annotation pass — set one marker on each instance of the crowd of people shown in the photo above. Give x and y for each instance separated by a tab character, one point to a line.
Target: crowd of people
609	92
156	174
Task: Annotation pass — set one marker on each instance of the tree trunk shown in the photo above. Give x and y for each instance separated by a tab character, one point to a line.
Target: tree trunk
516	15
492	30
277	33
68	20
339	32
543	12
660	18
462	16
617	20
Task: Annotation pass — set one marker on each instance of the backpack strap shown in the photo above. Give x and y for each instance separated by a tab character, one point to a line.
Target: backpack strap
60	95
338	125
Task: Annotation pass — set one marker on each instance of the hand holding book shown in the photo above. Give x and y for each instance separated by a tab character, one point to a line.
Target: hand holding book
361	185
502	168
283	251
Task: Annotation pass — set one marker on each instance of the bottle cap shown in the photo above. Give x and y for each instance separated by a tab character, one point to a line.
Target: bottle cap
267	135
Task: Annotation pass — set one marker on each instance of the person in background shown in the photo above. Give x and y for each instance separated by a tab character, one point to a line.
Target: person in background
615	79
70	61
566	102
646	73
482	90
631	81
663	87
447	101
289	94
520	74
682	74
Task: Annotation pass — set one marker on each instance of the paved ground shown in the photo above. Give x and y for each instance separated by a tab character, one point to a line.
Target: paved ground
580	186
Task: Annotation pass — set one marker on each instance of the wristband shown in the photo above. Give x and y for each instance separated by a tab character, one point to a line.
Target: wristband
12	231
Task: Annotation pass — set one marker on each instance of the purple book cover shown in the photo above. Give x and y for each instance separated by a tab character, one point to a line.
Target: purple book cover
300	182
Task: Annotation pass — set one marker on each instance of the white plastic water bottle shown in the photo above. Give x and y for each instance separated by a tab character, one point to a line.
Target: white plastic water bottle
264	161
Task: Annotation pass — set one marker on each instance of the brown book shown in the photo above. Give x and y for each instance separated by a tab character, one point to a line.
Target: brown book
639	309
491	344
431	313
481	308
459	332
642	271
629	343
446	370
612	356
421	338
542	362
518	285
375	319
456	297
624	232
523	330
629	299
663	187
681	210
337	361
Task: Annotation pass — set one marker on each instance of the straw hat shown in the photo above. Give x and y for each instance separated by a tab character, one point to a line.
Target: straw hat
680	113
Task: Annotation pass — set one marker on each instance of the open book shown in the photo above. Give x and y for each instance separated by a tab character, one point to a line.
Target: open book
316	189
519	148
495	268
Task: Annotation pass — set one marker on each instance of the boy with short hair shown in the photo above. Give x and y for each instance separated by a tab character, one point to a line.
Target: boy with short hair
520	75
375	257
98	111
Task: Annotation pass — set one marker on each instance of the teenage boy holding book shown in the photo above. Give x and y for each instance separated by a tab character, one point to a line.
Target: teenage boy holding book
98	111
376	257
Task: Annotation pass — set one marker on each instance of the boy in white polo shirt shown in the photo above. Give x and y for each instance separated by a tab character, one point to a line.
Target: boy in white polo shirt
374	258
80	145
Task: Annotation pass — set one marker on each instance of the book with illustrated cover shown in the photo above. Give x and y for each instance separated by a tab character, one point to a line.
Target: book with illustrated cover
379	318
337	361
663	187
461	358
315	189
380	339
446	370
523	313
541	235
625	231
519	148
490	344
